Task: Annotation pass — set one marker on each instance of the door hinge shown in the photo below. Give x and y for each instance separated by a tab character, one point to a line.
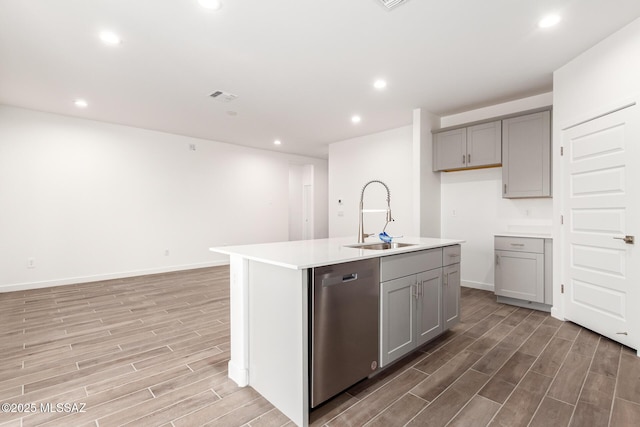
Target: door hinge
562	151
562	289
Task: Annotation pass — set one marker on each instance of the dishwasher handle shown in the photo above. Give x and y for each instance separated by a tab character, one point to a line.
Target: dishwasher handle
339	279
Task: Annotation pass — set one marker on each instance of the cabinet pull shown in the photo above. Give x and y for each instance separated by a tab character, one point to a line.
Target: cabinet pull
468	159
421	288
517	244
414	289
497	259
463	159
446	279
505	189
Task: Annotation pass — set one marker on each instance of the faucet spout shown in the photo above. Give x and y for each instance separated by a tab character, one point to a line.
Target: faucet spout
361	234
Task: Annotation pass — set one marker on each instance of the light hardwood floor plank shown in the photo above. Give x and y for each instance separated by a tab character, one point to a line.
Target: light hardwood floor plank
153	350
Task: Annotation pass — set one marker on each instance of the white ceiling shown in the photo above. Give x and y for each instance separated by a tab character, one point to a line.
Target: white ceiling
300	68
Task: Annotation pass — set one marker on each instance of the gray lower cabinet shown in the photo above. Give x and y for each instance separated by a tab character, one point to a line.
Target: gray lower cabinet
526	156
419	305
520	275
451	295
451	285
410	314
429	308
470	147
523	271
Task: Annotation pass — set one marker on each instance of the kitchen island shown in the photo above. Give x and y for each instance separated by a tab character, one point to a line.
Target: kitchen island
269	298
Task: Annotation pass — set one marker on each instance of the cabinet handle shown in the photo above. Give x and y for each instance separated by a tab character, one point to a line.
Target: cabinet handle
468	159
414	290
463	159
421	288
505	189
497	259
517	244
446	279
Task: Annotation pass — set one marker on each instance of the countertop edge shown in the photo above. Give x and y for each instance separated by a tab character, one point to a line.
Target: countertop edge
347	254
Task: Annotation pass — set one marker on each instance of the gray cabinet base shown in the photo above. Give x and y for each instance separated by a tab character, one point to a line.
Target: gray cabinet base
523	303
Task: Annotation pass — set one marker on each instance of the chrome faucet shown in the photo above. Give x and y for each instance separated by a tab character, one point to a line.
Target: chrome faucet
361	234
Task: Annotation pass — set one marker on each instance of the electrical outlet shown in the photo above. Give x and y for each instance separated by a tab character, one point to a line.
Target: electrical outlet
31	263
192	147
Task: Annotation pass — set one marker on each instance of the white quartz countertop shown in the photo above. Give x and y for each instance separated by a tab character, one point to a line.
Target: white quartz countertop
303	254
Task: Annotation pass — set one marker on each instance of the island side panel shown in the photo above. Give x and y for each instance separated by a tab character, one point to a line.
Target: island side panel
239	318
278	338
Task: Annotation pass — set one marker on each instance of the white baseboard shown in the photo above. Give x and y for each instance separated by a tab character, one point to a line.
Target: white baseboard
555	312
109	276
238	374
477	285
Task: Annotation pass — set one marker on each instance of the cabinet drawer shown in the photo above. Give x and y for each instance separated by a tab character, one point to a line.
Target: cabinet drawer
450	255
394	266
520	244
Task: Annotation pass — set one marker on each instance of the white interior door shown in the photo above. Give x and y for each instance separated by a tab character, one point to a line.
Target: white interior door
601	272
307	212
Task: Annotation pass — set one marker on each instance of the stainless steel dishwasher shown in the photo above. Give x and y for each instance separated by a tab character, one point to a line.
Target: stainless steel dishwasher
344	326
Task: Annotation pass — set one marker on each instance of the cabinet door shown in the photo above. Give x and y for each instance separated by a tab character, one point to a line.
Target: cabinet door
520	275
451	295
526	156
450	150
429	306
484	144
397	317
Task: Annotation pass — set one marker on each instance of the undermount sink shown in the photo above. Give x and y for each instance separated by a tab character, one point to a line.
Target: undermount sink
380	245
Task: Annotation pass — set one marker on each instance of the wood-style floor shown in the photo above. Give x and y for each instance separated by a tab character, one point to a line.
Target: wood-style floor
153	351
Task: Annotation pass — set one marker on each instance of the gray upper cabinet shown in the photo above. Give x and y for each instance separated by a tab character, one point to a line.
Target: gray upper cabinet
471	147
526	156
450	150
483	145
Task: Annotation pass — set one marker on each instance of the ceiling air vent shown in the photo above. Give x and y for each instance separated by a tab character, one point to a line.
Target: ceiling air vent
223	96
390	4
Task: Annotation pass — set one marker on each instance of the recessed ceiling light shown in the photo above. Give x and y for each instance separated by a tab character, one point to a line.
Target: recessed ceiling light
80	103
549	21
110	38
277	142
211	4
380	84
356	119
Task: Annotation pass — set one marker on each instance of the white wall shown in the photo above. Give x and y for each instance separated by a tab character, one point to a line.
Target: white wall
473	208
598	81
601	79
428	211
90	200
386	156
